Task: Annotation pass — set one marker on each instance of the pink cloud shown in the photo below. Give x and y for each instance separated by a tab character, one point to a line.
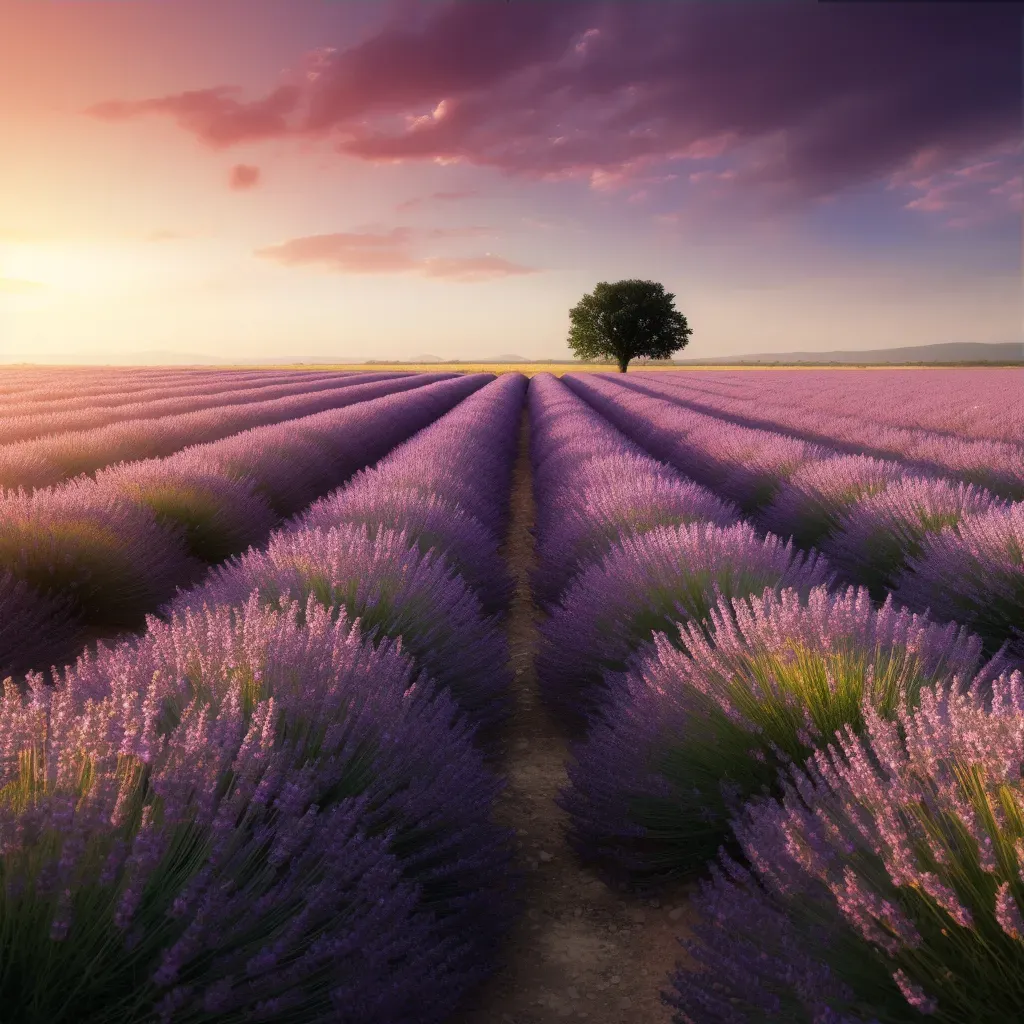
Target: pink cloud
974	194
212	115
410	204
387	253
243	177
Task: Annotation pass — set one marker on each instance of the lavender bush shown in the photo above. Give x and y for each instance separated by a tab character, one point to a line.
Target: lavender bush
216	515
684	739
618	496
460	512
647	585
594	487
110	559
876	536
809	504
243	818
393	590
428	521
973	572
893	866
33	627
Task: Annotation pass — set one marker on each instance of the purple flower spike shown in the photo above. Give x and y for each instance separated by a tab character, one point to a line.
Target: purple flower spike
393	589
808	504
647	585
277	821
683	737
973	573
891	868
875	537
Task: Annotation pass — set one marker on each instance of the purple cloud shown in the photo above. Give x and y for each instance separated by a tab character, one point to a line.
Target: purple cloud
800	100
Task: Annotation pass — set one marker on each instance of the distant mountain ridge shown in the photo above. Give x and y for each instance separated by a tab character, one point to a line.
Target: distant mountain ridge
949	352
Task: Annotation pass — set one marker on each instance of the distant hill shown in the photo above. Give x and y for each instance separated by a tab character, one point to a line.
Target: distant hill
506	358
950	352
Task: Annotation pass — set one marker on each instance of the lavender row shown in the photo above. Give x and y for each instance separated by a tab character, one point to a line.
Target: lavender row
59	384
442	499
686	551
155	402
447	488
987	404
49	460
281	819
407	548
57	380
594	487
95	555
127	392
996	465
952	548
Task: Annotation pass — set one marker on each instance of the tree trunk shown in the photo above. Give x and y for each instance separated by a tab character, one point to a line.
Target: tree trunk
623	363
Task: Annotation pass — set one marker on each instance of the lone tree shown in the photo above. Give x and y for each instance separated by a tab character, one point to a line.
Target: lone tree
627	319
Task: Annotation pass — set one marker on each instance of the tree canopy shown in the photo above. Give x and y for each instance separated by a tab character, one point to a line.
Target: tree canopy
627	320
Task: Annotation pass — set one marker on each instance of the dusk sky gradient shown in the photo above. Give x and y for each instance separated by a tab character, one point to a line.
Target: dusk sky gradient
247	178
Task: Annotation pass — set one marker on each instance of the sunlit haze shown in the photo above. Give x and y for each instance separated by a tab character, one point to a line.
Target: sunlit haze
250	179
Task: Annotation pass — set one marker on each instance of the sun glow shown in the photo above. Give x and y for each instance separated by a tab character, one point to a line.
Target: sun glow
76	268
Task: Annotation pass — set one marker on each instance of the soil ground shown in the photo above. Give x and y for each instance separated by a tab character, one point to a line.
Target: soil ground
581	950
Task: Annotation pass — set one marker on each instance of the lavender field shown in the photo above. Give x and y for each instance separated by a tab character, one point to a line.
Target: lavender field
368	697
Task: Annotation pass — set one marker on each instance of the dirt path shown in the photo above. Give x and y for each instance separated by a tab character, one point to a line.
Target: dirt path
582	951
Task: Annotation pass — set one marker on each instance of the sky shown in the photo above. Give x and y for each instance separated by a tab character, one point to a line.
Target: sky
381	180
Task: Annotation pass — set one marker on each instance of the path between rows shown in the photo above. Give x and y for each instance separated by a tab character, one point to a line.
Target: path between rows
581	950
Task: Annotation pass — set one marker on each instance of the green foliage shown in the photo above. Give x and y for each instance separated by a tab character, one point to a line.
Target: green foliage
627	320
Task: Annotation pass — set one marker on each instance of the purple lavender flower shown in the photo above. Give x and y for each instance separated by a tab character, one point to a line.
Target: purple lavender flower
428	521
218	516
594	487
973	572
393	590
459	512
893	863
809	503
277	820
684	738
33	627
876	536
648	584
107	557
103	549
49	460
